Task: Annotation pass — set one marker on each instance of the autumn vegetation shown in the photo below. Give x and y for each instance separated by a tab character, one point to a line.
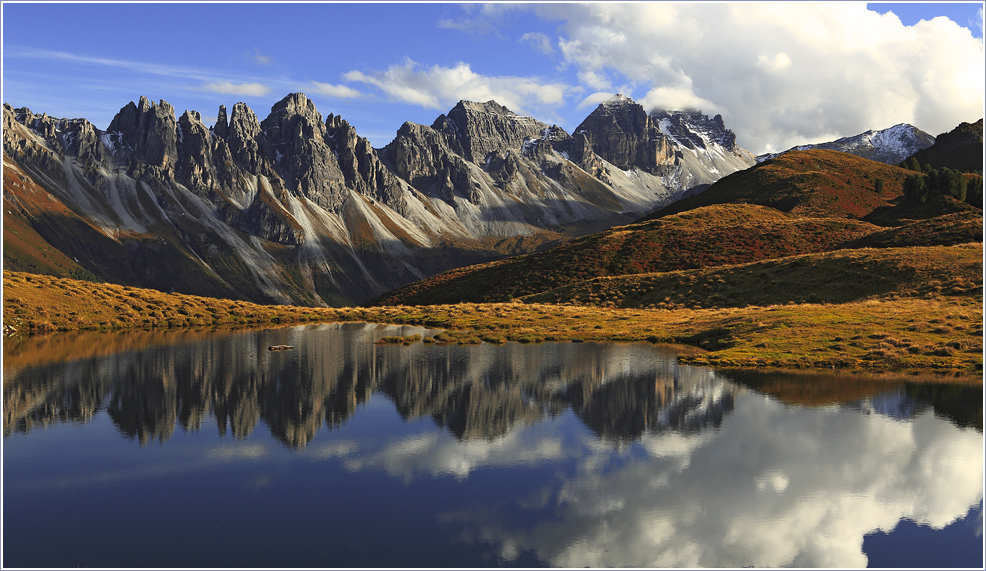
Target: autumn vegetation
813	260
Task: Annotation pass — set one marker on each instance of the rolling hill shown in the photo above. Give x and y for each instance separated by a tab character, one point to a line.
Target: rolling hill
803	202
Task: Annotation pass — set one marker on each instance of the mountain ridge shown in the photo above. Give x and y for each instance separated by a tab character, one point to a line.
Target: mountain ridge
801	203
295	208
891	145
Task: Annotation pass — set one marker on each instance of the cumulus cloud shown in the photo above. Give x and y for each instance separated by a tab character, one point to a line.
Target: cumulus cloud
230	88
680	97
338	91
594	79
439	87
782	73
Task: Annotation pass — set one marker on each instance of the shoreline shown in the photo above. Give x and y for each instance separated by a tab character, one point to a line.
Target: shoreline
937	334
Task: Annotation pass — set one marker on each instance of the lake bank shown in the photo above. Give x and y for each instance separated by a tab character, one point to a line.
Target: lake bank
938	333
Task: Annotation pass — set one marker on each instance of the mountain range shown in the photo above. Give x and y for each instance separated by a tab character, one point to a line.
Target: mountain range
751	222
300	209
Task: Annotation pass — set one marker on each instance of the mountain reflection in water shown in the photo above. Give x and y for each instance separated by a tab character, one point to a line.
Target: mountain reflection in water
600	455
474	392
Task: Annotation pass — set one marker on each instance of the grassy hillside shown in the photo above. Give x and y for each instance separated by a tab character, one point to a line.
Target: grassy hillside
836	277
817	183
803	202
705	237
948	229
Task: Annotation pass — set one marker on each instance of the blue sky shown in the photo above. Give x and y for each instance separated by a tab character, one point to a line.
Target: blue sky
780	73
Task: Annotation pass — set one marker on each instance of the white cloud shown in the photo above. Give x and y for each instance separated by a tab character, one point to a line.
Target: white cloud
540	41
339	91
676	98
259	59
229	88
782	73
439	87
438	454
486	19
595	99
595	80
778	63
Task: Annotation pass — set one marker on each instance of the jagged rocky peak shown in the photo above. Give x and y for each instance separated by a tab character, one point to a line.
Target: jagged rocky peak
481	128
621	132
149	130
194	150
333	121
221	128
360	164
423	155
693	129
293	118
620	112
244	132
70	137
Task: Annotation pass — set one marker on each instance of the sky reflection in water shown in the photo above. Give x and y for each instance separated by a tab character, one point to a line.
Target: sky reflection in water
346	453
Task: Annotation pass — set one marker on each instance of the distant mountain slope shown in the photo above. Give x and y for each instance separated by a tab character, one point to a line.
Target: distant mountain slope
705	237
802	202
889	146
960	149
805	183
297	209
685	148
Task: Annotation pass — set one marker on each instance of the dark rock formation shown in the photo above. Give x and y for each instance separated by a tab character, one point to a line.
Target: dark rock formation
247	144
149	130
297	135
297	209
688	127
429	160
622	133
360	165
482	128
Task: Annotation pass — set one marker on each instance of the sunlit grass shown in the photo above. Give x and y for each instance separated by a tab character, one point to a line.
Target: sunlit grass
938	332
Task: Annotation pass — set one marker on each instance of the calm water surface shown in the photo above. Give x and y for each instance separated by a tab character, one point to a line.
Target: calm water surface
209	450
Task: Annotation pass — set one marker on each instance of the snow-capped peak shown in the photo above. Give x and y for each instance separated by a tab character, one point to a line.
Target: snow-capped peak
891	145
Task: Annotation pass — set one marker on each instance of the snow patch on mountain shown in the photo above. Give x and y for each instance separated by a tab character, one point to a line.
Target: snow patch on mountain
891	146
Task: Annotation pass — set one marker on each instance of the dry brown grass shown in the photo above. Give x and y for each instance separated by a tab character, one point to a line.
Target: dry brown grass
939	333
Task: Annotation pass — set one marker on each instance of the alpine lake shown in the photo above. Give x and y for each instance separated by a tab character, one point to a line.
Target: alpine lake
208	449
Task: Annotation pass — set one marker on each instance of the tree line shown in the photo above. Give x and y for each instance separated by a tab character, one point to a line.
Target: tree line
931	183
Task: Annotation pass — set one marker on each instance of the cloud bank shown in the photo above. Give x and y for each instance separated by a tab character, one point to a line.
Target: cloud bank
440	87
229	88
781	73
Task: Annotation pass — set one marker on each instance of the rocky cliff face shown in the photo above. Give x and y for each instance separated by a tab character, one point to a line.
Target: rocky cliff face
687	149
622	133
297	209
